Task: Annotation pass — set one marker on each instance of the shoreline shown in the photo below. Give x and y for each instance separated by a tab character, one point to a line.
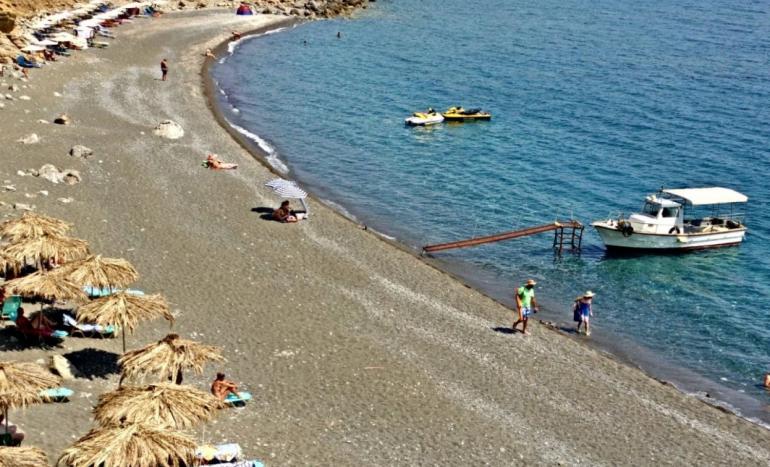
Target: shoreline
357	354
647	363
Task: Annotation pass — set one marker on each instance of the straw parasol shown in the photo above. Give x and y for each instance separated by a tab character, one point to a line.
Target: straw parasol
45	248
125	310
7	263
31	225
168	358
168	405
21	383
100	272
22	457
137	445
45	285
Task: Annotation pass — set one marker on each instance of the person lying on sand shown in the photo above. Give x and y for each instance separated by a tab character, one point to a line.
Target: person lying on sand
209	54
283	214
213	162
236	35
221	387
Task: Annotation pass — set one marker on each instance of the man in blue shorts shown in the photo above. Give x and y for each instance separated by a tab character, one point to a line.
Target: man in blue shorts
526	305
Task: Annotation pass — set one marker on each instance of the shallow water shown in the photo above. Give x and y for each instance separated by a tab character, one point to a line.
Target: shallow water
595	105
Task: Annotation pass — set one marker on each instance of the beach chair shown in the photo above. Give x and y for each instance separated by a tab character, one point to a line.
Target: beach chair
86	330
11	307
237	401
56	394
97	292
24	63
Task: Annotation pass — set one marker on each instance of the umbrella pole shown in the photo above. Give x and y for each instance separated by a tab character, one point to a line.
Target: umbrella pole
5	416
123	335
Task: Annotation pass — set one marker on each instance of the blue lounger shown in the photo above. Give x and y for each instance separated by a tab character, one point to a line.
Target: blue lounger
56	394
239	401
97	292
11	307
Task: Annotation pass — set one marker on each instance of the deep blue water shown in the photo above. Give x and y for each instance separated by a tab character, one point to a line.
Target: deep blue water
595	103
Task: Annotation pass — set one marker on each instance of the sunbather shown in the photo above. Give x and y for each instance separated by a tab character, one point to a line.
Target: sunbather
283	214
221	387
209	54
213	162
39	325
17	436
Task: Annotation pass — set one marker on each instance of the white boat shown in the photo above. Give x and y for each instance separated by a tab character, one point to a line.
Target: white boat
679	220
429	117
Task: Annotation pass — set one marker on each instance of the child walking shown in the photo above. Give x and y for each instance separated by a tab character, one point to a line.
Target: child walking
582	311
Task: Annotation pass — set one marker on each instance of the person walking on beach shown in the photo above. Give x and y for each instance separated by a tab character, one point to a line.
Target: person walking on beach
164	69
582	311
526	305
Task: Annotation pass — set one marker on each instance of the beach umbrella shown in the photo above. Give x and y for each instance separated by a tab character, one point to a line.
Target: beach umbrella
288	189
125	310
100	272
9	264
45	285
137	445
22	457
21	383
45	248
168	405
31	225
168	358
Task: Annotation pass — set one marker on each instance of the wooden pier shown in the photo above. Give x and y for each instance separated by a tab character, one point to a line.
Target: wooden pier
573	237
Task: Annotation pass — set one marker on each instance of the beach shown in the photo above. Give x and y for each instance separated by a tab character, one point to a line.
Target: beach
357	352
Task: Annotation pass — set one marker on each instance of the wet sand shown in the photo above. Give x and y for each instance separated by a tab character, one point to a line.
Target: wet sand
357	352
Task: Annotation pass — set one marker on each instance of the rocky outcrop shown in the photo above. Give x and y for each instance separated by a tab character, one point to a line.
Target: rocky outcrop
169	129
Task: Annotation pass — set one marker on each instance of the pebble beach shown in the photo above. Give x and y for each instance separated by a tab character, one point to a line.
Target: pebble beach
357	352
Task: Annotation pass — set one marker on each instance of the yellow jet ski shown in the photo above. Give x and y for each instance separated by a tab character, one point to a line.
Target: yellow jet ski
458	114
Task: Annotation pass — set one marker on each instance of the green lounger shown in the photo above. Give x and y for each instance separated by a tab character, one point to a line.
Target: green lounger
11	307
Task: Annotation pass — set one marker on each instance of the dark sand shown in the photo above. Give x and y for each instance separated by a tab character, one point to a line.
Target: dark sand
358	353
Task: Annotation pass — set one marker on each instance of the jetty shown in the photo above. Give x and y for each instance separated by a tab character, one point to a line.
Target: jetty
569	232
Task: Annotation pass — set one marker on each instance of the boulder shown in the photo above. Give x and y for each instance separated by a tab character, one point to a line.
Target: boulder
169	129
23	207
62	119
81	151
62	367
54	175
29	139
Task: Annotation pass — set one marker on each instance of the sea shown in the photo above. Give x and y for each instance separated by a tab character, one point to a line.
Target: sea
595	105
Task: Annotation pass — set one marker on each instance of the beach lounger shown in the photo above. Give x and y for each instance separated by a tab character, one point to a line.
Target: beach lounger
11	307
85	329
56	394
96	292
240	401
24	63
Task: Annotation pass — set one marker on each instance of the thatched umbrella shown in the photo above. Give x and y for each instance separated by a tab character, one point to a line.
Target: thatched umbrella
167	405
125	310
137	445
22	457
9	264
31	225
45	285
100	272
44	248
168	358
21	383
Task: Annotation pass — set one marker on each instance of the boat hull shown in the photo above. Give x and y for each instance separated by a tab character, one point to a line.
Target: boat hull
614	239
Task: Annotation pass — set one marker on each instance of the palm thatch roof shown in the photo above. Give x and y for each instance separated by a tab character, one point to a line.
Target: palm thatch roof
100	272
45	285
137	445
22	457
6	262
168	405
21	383
31	225
167	357
126	310
46	247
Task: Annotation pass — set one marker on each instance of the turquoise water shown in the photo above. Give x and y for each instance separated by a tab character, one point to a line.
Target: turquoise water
595	105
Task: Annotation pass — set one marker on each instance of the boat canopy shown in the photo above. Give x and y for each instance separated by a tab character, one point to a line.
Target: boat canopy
702	196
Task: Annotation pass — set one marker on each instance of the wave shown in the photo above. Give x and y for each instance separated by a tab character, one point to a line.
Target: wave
234	44
270	153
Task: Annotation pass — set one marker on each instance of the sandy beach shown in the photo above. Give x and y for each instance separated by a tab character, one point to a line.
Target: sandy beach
357	352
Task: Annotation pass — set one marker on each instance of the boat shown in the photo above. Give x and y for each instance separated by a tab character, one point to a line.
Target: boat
458	114
679	220
429	117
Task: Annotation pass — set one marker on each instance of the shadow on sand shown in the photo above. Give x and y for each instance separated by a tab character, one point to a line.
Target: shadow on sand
10	340
94	363
266	213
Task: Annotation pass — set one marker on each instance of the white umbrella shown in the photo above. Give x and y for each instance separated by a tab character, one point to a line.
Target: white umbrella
289	189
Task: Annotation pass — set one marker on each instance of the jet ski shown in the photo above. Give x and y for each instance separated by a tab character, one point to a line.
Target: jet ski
429	117
458	114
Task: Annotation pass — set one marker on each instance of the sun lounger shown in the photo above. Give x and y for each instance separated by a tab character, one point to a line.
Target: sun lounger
24	63
56	394
11	307
96	292
85	329
238	401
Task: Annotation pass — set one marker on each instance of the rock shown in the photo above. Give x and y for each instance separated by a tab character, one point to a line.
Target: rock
13	88
62	367
29	139
65	200
81	151
43	192
2	106
169	129
56	94
25	98
23	207
62	119
30	195
71	177
54	175
9	97
9	188
45	122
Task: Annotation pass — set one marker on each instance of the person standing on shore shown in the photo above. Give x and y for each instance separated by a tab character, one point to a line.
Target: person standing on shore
164	69
525	305
583	310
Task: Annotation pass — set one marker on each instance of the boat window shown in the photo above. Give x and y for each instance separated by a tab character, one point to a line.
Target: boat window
651	209
670	212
